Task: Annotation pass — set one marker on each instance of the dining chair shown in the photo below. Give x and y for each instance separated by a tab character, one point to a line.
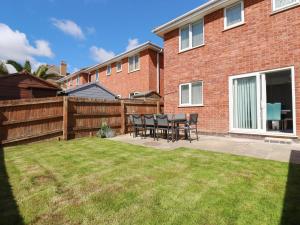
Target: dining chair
189	126
150	124
138	125
164	124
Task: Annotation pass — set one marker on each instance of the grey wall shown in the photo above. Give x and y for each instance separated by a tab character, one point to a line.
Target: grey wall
92	91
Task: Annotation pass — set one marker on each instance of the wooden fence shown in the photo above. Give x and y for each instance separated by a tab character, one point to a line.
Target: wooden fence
29	120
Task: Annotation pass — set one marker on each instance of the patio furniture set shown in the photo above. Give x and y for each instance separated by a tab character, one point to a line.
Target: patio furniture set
167	125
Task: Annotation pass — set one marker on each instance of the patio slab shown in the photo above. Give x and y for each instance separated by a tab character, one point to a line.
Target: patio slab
237	146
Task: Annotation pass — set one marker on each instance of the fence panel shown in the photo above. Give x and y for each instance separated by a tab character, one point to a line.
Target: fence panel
68	117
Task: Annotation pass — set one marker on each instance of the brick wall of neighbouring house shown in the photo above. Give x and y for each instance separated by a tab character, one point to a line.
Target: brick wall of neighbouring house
123	83
264	42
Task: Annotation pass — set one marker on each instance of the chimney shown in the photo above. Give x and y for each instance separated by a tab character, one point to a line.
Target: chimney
63	68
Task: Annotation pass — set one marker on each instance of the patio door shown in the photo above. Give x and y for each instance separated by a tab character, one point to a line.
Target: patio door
245	107
263	102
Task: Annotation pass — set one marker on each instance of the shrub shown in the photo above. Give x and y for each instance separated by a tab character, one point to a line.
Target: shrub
105	131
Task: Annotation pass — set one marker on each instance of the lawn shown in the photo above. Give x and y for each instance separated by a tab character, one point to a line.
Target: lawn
95	181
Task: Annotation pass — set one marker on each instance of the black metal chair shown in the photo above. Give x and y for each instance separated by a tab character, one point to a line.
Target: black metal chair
189	126
138	125
130	120
163	124
150	124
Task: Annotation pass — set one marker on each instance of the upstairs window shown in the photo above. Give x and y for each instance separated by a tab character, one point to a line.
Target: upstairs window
134	63
77	80
108	70
97	75
191	94
234	15
191	35
281	4
119	66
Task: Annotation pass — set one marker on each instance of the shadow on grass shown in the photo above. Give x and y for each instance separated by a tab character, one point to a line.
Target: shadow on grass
9	211
291	208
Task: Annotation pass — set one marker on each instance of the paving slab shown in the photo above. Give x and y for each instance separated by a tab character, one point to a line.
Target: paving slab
237	146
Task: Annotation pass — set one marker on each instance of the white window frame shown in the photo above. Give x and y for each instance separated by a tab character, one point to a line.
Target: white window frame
139	65
77	80
242	14
191	36
190	95
261	130
134	93
120	70
108	73
97	76
284	7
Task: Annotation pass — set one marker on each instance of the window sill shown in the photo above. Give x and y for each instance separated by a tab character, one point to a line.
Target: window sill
133	71
108	75
274	12
119	71
189	49
190	106
234	26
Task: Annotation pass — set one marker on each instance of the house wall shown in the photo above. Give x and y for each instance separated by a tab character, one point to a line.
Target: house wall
123	83
72	82
266	41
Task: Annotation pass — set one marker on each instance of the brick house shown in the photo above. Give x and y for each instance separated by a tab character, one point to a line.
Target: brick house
138	70
236	64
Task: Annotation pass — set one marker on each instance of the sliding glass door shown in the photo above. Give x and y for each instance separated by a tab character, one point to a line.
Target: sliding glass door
262	102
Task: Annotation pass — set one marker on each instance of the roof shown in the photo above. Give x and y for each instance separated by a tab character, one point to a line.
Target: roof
15	79
72	75
87	85
137	49
192	16
146	94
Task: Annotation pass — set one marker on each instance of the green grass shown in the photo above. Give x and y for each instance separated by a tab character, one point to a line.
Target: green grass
94	181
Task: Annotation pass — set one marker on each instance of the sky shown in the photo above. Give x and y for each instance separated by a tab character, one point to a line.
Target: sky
81	32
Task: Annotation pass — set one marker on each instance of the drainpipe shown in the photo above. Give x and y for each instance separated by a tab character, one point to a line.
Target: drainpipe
158	72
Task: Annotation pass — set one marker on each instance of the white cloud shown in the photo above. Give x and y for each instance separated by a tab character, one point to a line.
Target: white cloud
15	45
132	43
100	54
68	27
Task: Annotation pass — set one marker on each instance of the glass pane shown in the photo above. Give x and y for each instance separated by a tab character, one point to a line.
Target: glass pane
185	94
184	37
245	103
137	62
283	3
197	93
234	14
130	64
119	66
197	31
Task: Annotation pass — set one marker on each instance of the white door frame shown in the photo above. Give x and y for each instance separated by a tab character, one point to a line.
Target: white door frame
261	107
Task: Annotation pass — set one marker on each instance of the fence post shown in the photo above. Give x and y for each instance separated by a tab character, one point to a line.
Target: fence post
66	118
158	107
123	117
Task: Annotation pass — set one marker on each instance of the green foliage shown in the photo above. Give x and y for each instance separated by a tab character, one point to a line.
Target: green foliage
3	69
105	131
27	66
19	68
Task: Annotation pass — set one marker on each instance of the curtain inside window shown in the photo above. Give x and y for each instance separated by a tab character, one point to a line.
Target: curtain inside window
245	103
197	33
197	93
283	3
184	37
234	14
185	94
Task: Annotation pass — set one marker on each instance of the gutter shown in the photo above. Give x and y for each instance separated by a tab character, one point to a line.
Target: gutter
158	71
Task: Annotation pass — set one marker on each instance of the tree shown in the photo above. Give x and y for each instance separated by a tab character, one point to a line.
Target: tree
19	68
3	69
41	72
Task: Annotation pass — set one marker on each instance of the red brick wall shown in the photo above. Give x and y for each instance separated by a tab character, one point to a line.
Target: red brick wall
264	42
123	83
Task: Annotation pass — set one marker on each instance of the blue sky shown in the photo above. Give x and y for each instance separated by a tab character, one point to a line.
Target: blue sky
81	32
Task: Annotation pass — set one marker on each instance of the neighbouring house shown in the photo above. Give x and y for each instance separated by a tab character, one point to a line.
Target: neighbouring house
135	71
236	64
59	71
150	95
24	85
90	90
